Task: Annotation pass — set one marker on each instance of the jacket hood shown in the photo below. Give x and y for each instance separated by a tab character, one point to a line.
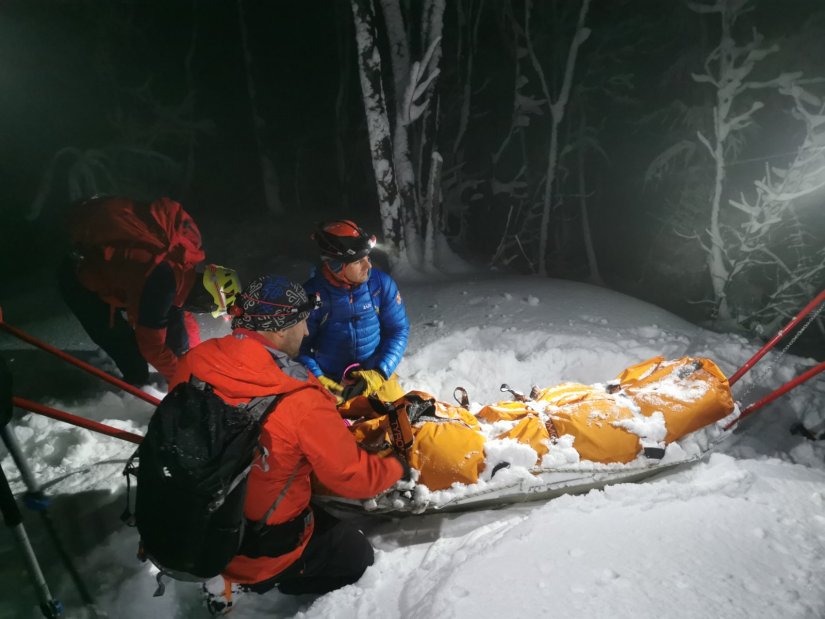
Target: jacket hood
240	368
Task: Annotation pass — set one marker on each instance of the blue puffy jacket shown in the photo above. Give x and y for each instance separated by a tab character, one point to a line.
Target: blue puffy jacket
366	324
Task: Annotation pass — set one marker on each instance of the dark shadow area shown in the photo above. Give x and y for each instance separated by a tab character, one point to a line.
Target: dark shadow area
38	373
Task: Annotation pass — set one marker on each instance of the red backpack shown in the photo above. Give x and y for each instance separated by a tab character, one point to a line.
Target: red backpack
118	242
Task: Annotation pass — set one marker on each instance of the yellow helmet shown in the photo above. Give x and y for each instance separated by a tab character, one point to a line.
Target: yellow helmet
223	284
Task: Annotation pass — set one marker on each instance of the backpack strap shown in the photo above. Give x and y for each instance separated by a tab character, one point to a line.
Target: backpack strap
261	407
128	516
275	540
260	524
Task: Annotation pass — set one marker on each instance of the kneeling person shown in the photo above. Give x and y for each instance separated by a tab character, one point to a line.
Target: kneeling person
303	435
360	331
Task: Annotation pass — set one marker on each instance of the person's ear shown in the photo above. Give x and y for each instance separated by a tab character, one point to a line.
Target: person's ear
273	337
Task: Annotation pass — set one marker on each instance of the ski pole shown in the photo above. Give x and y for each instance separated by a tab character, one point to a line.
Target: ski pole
22	335
49	606
780	391
37	501
782	333
94	426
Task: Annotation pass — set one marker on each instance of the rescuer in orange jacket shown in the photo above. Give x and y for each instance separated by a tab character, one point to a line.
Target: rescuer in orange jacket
303	435
141	260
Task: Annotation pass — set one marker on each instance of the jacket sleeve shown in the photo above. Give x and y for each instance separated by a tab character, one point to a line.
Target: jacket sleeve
395	329
182	374
156	301
193	329
337	460
306	357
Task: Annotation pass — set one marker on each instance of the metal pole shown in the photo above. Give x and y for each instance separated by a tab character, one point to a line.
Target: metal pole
49	606
81	422
22	335
791	384
782	333
36	500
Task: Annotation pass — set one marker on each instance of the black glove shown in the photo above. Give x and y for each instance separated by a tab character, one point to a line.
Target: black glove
354	389
407	476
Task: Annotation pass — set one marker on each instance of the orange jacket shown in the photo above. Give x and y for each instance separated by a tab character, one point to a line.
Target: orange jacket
304	433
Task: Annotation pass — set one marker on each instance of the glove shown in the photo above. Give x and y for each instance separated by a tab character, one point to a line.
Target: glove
407	475
331	386
373	379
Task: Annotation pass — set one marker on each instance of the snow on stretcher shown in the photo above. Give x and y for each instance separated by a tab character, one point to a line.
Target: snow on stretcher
568	438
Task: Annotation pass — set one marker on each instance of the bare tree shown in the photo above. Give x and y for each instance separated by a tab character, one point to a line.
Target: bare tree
727	70
771	243
592	263
557	106
535	195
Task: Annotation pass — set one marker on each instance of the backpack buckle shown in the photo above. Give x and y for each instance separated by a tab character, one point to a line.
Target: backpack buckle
264	456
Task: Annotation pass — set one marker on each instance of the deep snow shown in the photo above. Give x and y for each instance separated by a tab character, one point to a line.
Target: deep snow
740	534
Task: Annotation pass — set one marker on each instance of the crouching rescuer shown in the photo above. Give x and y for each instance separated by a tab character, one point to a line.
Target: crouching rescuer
249	379
134	277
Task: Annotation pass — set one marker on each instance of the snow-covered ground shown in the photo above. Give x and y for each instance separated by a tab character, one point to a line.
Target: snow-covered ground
739	534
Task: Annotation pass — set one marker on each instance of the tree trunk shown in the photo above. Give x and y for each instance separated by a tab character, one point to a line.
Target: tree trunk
369	67
593	266
433	209
467	92
557	110
716	259
400	63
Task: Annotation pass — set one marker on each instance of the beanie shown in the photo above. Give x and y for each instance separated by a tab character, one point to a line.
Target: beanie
270	303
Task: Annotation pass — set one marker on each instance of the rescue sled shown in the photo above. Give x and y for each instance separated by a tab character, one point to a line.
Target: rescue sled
541	485
655	417
694	428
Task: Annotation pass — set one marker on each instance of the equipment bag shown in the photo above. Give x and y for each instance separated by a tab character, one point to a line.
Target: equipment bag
117	240
439	440
192	470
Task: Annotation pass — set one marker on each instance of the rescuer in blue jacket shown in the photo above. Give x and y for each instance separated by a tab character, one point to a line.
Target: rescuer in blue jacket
362	319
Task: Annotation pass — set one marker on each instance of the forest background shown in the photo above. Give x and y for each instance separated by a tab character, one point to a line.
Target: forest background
672	151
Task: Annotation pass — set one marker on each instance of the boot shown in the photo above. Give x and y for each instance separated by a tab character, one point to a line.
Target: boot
221	595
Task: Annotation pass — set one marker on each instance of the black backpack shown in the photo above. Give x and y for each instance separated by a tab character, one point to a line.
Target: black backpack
192	469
